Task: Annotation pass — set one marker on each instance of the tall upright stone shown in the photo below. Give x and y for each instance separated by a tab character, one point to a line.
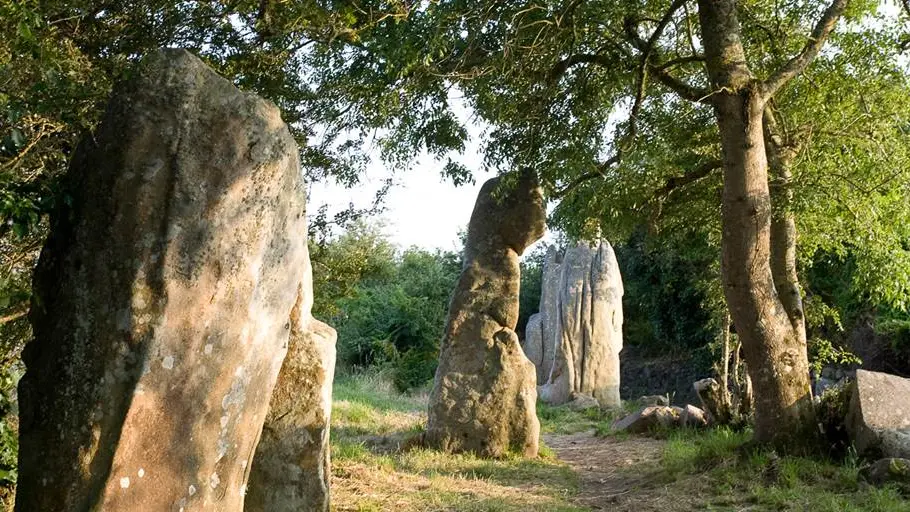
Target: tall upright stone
541	330
163	299
484	395
291	469
588	335
533	344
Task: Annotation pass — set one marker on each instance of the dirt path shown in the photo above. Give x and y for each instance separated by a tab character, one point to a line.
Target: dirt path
617	474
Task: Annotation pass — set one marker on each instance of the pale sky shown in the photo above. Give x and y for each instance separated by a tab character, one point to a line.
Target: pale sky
422	208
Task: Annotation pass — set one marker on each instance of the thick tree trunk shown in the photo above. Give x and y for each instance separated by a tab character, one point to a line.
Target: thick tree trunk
773	350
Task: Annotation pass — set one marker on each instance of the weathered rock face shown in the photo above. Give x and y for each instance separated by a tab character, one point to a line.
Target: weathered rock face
533	344
549	311
879	416
649	418
889	471
162	300
540	333
588	334
291	468
484	396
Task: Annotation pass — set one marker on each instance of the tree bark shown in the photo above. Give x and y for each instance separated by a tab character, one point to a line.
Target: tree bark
775	356
782	151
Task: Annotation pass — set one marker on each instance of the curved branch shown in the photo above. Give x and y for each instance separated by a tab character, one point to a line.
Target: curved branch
597	173
675	182
657	69
580	58
15	315
813	46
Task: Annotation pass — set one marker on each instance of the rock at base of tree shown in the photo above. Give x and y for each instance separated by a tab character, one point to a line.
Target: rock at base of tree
654	400
649	418
291	468
582	402
878	420
162	299
484	394
693	417
822	384
710	392
888	471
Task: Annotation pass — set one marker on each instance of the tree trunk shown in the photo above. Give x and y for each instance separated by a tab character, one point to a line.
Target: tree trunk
782	151
774	353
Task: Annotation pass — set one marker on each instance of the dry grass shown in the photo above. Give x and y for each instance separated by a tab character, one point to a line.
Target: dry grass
679	471
371	471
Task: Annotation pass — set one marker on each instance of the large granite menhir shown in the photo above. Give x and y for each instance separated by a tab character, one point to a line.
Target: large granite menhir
163	300
484	395
291	469
582	326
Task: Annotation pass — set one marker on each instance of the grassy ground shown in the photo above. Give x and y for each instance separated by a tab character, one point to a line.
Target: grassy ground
731	475
370	471
687	470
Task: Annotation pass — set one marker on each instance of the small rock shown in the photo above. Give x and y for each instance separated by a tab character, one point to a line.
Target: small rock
694	417
581	402
649	418
888	471
654	400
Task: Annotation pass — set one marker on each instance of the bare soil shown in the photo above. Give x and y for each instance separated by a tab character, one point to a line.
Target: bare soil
619	474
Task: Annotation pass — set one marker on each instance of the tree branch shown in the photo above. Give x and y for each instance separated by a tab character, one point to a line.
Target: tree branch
15	315
651	57
597	173
580	58
816	41
684	60
675	182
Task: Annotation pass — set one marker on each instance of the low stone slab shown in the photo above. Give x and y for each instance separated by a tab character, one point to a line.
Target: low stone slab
888	471
879	415
649	418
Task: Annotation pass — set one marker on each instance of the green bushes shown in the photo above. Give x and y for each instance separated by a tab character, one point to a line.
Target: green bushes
389	307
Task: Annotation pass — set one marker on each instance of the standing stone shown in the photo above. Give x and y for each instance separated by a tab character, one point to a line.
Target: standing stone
540	333
549	312
291	468
533	344
589	327
163	299
484	396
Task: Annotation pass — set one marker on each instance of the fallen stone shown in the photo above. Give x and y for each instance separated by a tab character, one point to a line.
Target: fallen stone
162	299
878	420
693	417
888	471
484	394
654	400
580	402
649	418
710	392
